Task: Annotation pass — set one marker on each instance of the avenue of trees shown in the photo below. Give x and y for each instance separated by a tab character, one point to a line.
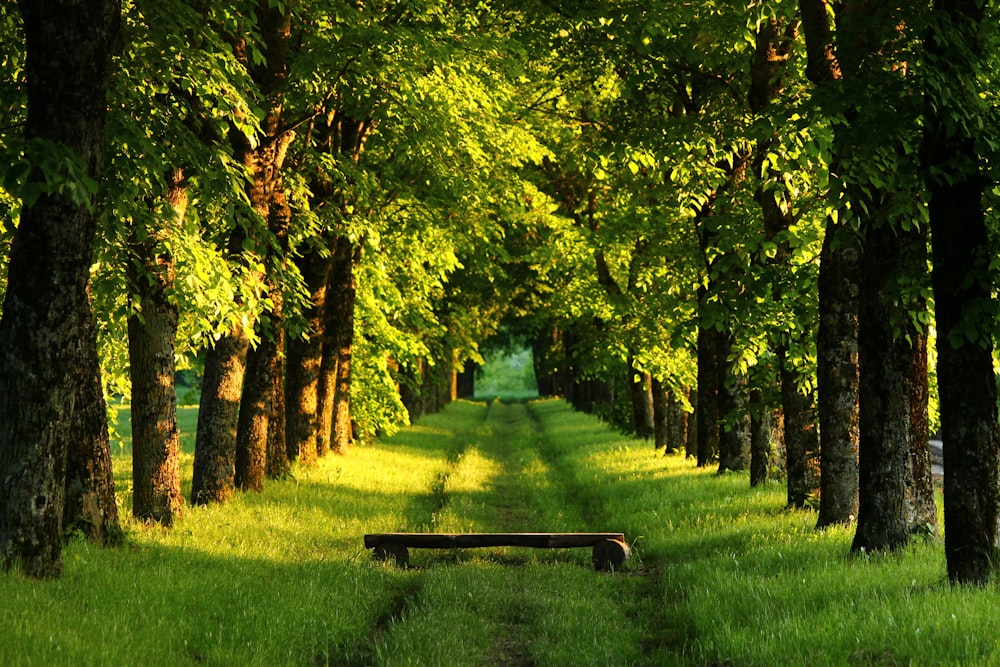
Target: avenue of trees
760	233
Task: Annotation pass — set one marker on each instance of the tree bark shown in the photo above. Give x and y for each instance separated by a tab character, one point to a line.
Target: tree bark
661	413
339	328
963	296
305	355
218	416
152	335
639	396
896	495
802	446
156	484
708	410
90	505
734	435
46	332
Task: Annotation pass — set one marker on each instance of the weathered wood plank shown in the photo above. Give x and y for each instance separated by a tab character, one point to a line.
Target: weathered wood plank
473	540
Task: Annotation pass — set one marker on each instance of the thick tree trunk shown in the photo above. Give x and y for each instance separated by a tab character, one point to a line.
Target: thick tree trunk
90	505
46	334
760	441
218	416
963	297
895	490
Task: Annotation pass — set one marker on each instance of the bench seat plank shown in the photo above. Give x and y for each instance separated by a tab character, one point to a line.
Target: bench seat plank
472	540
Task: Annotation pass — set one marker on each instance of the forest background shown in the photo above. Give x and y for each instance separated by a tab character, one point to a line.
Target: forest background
720	209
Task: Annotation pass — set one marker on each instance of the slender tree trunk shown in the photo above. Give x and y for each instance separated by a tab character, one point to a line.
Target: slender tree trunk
691	442
963	294
896	492
152	336
734	435
341	296
760	441
46	331
661	414
802	446
708	412
305	355
642	409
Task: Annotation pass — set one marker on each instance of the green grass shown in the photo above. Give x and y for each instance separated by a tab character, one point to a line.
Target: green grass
721	574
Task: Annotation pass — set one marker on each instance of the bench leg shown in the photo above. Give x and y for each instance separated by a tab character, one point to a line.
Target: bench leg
610	555
395	551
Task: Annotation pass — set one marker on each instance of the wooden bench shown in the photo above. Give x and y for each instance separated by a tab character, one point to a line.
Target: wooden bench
610	549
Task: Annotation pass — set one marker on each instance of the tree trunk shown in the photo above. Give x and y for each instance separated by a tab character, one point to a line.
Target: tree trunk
90	487
305	355
642	408
152	334
252	423
836	340
341	295
710	342
963	296
218	416
152	331
760	441
895	490
661	413
734	435
802	447
46	331
837	376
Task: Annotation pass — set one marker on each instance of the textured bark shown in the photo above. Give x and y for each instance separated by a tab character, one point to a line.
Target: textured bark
90	505
895	482
252	422
156	483
341	293
305	355
152	334
218	415
837	376
47	344
963	294
836	340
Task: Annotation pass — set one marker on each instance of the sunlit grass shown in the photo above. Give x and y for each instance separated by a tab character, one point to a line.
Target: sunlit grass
721	573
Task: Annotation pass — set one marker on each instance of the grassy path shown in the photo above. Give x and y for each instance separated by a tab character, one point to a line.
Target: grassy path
506	605
722	574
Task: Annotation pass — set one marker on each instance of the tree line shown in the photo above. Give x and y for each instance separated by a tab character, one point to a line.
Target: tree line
721	224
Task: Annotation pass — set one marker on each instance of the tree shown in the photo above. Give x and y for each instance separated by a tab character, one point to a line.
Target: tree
964	287
46	330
